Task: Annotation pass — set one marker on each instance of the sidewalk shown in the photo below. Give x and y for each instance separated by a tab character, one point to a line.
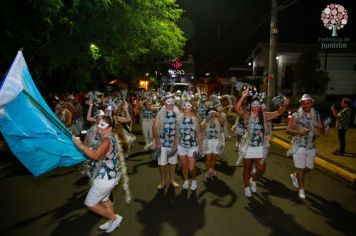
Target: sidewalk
343	166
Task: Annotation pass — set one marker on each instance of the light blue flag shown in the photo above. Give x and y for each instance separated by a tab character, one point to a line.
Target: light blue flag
33	132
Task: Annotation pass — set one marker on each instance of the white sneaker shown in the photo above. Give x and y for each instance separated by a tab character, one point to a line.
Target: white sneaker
194	185
301	193
248	192
294	180
114	224
186	184
106	225
253	185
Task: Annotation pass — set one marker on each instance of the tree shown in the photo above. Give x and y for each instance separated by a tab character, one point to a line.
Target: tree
310	78
75	43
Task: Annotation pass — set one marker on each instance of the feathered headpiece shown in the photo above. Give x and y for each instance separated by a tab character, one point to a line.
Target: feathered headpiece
278	100
253	92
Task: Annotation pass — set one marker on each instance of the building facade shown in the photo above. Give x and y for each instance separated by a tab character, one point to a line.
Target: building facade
339	64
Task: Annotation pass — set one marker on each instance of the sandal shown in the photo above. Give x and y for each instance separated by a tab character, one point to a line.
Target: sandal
174	184
161	186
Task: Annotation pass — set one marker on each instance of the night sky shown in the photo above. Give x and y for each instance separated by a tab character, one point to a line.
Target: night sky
222	33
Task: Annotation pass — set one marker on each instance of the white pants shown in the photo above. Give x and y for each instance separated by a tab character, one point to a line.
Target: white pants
182	151
147	130
100	190
254	152
304	158
163	158
213	146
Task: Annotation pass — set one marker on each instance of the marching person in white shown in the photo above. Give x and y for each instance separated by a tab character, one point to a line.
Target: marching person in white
255	142
164	131
213	140
189	142
222	117
147	117
303	126
107	176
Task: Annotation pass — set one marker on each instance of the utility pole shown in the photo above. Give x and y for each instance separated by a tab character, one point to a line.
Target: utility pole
271	79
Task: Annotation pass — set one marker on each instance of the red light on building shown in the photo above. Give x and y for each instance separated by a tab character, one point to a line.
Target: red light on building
176	64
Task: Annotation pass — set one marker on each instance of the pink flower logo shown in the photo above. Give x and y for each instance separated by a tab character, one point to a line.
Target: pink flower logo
334	17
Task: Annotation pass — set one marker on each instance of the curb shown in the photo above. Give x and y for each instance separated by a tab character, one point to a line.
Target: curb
322	163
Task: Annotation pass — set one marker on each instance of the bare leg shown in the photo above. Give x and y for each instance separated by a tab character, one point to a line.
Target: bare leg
300	174
192	167
162	173
260	169
109	206
213	161
208	161
247	171
184	163
101	210
172	172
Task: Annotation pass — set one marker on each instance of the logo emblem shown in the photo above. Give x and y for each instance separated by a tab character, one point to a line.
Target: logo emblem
334	17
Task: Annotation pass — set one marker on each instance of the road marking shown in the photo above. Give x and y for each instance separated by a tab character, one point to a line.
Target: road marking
322	163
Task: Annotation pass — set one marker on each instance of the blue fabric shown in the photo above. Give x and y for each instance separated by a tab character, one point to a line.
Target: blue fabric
34	133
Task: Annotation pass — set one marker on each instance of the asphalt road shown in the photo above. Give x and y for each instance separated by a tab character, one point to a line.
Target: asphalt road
52	204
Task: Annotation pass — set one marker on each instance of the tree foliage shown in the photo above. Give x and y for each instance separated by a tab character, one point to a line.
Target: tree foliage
75	43
310	77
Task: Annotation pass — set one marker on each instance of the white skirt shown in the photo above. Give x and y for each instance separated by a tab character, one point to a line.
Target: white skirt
254	152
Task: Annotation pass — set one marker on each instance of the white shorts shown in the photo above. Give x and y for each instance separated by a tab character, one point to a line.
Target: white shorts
163	158
100	190
212	146
254	152
304	158
182	151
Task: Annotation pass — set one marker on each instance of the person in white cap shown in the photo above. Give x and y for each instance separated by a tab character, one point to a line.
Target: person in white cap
303	126
107	151
92	140
189	141
164	131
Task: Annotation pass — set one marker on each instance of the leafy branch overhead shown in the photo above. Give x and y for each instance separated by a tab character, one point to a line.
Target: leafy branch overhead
81	39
